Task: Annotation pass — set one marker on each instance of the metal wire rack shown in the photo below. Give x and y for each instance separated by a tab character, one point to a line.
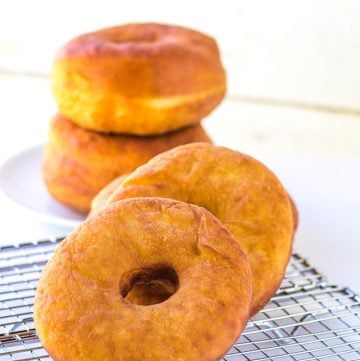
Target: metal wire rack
306	320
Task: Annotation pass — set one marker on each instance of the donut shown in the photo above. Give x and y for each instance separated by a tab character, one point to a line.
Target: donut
78	163
240	191
141	79
81	308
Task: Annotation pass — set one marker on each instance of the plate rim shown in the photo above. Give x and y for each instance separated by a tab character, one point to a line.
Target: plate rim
47	218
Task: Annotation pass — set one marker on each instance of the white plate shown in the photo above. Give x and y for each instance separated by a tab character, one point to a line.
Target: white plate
21	181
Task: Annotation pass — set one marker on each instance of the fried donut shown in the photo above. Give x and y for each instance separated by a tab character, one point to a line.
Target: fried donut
81	308
78	163
138	79
240	191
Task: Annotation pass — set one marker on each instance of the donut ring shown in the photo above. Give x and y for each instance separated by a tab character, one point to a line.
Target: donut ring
241	192
78	163
138	79
81	310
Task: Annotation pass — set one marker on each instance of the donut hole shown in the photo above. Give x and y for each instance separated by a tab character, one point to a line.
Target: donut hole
149	286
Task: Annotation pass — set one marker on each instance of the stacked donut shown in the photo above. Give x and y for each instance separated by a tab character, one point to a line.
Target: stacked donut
124	95
177	255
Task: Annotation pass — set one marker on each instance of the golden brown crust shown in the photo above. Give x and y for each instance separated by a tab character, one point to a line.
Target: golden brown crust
138	79
294	209
241	192
78	163
80	313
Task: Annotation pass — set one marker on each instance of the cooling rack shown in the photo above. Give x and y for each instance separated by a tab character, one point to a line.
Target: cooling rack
306	320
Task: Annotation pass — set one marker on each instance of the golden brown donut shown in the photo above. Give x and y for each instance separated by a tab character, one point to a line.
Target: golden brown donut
240	191
138	79
78	163
81	307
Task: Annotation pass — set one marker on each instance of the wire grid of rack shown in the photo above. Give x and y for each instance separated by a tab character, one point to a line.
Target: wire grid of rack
306	320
